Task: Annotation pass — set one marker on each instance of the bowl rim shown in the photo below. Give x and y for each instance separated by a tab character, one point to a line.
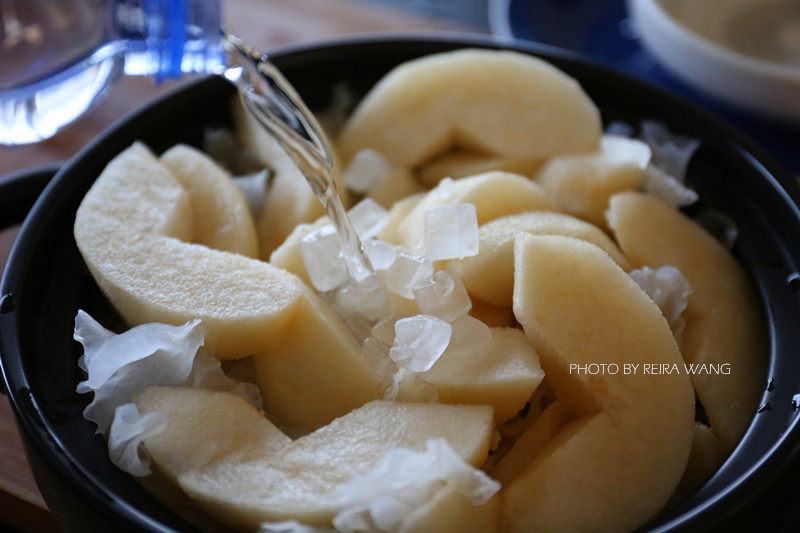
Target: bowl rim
718	51
58	458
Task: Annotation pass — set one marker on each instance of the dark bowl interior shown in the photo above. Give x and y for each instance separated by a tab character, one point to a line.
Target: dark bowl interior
47	281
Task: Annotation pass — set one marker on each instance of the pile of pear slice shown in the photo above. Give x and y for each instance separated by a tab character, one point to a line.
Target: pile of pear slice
170	238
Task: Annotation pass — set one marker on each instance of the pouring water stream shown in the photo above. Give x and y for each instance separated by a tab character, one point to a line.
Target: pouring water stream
272	100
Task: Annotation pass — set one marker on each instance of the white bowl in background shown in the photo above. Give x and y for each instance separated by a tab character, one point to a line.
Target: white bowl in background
745	52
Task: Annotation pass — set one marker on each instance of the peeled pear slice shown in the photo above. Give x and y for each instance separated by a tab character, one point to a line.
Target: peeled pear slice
290	200
288	257
451	512
583	183
313	371
400	209
503	375
492	316
494	194
243	471
134	228
616	463
497	102
531	443
723	318
221	217
706	457
489	276
398	184
460	164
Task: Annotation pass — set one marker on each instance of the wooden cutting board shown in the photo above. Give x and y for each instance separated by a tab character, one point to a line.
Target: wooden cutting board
264	23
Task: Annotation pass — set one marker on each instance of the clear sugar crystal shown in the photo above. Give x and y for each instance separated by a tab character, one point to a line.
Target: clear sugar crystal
407	272
443	296
381	254
366	297
323	258
451	231
419	341
376	353
384	329
368	218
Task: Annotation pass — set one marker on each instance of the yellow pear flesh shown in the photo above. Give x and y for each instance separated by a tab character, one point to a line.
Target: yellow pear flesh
583	183
618	460
243	471
489	276
503	375
723	319
220	213
134	229
494	194
502	103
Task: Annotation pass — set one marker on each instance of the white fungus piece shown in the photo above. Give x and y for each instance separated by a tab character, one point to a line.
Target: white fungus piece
660	184
419	341
366	169
407	272
254	187
381	254
669	289
405	480
117	366
671	152
128	430
323	258
443	296
720	225
469	337
451	231
368	218
291	526
622	129
366	297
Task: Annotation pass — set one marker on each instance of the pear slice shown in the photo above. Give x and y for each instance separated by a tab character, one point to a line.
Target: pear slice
707	456
583	183
460	164
489	276
221	218
134	228
290	200
504	374
243	471
396	185
400	209
492	316
497	102
616	463
451	512
494	194
531	443
288	257
723	318
313	371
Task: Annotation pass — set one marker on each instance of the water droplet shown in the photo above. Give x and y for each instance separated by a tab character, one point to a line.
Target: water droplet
771	385
793	280
7	303
764	408
796	401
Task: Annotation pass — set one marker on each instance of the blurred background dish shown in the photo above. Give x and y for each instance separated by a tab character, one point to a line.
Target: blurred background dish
754	83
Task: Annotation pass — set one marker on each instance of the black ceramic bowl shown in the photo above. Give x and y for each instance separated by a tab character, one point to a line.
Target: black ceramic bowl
45	282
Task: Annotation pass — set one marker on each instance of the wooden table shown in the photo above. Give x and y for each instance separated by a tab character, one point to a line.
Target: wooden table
264	23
